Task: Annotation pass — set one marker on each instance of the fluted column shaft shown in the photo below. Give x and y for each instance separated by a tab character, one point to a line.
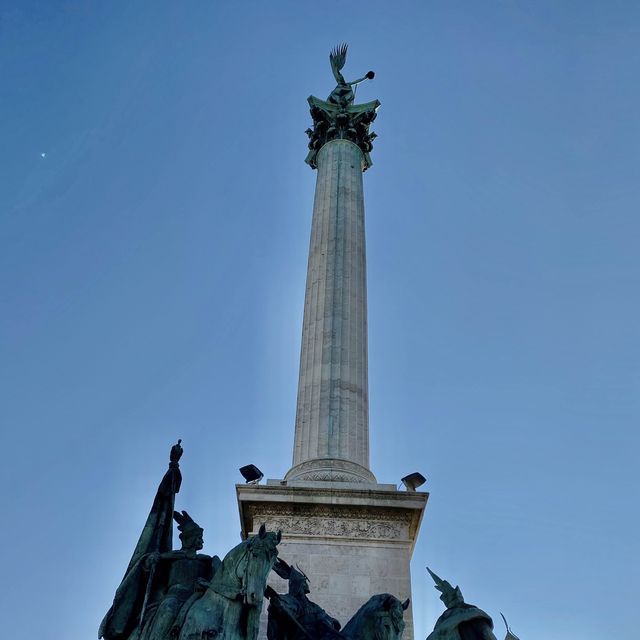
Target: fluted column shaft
332	416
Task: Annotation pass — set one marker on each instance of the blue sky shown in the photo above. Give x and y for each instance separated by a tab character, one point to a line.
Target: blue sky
152	269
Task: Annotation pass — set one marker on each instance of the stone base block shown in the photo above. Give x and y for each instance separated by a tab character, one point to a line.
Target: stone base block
352	543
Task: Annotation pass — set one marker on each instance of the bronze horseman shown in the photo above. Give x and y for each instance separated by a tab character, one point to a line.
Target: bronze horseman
293	616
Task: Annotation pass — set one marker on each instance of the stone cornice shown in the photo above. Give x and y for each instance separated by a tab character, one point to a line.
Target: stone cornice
339	122
299	509
330	492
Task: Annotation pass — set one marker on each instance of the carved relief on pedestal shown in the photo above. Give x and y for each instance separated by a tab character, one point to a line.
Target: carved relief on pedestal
334	521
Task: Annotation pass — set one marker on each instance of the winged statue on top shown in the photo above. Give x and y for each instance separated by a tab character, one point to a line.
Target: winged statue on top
343	94
337	117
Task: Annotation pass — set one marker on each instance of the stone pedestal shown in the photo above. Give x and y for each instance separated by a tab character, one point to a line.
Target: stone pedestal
353	542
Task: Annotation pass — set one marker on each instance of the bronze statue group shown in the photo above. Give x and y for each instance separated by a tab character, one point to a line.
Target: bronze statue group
182	594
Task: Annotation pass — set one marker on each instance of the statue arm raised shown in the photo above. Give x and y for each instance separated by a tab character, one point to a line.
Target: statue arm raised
368	76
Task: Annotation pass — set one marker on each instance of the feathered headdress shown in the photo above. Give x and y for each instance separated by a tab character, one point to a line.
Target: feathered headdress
185	523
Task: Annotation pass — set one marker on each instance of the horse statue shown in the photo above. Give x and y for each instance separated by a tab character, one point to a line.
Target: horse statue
379	618
229	608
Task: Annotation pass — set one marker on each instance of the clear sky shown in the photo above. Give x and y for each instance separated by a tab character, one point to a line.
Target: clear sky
155	215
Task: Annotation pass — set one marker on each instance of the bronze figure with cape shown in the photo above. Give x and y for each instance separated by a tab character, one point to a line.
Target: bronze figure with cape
160	583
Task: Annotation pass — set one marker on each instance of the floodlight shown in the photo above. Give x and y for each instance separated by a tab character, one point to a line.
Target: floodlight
413	481
251	474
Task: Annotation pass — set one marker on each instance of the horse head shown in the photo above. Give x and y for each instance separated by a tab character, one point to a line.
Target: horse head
258	559
232	602
380	618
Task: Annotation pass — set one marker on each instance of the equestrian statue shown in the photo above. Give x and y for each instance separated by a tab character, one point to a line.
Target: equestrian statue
181	594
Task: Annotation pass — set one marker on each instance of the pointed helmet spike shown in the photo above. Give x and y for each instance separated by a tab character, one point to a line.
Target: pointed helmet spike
436	578
445	588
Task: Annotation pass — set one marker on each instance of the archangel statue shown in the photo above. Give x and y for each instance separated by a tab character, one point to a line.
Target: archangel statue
343	94
337	117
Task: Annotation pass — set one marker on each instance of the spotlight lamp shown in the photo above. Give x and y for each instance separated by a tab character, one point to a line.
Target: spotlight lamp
413	481
251	474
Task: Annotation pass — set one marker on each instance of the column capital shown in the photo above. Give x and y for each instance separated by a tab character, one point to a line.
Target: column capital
341	122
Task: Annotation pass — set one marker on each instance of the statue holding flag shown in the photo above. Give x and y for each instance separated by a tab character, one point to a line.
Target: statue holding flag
160	584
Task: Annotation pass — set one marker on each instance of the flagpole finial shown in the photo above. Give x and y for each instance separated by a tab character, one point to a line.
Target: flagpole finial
176	452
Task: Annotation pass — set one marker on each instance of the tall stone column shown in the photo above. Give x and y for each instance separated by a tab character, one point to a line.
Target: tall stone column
352	536
332	418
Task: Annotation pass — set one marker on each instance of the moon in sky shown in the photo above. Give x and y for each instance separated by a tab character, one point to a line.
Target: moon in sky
43	155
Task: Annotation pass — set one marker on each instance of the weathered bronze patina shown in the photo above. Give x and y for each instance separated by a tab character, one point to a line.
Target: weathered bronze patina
183	594
337	118
460	621
293	616
159	582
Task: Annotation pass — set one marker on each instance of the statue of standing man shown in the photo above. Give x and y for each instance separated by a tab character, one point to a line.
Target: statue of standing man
160	584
